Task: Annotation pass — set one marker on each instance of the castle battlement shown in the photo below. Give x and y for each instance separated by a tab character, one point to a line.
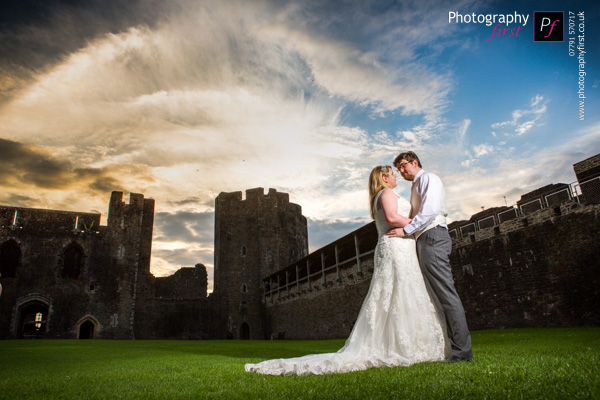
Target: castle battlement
40	220
257	196
118	210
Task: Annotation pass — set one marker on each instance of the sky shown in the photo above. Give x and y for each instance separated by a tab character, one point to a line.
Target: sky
181	100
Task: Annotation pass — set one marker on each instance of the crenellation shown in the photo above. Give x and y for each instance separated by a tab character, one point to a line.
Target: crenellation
283	199
115	209
255	195
136	200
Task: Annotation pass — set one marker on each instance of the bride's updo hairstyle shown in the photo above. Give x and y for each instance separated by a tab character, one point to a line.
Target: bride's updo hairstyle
376	184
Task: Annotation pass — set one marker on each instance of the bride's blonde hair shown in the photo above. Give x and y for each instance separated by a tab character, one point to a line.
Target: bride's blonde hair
376	184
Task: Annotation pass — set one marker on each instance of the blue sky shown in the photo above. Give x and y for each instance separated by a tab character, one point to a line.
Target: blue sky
185	99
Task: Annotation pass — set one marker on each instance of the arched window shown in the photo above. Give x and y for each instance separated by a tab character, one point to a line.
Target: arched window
72	261
33	320
10	258
244	288
243	250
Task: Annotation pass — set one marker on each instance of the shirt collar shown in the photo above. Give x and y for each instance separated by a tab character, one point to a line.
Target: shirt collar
418	175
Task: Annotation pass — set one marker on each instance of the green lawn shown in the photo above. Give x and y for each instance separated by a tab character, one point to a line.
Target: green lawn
561	363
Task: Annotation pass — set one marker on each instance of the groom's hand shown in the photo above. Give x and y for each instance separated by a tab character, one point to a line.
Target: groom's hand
396	232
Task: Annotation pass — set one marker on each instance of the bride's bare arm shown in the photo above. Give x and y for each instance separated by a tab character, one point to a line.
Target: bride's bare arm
389	202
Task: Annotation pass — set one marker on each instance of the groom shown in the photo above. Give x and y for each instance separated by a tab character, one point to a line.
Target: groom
428	225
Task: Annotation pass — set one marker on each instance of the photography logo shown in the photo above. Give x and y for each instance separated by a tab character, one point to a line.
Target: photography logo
548	26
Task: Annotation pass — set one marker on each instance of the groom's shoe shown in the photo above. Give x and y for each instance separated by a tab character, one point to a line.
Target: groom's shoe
455	359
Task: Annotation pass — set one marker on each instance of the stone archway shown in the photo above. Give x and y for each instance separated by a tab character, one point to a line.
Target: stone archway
87	328
244	331
33	320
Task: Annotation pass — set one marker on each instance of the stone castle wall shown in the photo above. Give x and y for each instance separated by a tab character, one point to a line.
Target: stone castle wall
321	311
588	176
112	293
319	296
70	270
541	270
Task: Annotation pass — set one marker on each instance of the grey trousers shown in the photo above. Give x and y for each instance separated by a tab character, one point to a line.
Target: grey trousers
433	248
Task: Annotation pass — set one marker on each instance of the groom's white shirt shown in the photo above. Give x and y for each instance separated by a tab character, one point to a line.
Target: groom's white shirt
428	202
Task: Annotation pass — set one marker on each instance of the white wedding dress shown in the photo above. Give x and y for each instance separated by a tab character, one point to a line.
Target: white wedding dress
397	324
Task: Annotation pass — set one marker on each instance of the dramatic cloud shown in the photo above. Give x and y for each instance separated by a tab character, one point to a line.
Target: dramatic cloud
182	100
36	35
30	166
182	239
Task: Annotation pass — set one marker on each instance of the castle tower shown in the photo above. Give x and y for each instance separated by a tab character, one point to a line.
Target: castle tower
254	238
130	229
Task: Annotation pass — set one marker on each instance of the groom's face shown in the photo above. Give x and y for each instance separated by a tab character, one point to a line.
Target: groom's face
408	170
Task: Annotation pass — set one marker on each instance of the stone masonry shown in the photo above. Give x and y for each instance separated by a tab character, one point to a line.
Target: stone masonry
66	276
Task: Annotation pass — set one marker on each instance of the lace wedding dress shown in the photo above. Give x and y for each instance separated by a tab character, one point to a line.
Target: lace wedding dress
397	324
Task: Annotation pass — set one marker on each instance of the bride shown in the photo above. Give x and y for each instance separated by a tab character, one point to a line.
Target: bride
397	324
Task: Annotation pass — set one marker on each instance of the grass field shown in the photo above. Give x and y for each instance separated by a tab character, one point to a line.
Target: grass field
557	363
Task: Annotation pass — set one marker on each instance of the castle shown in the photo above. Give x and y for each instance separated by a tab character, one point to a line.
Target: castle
66	276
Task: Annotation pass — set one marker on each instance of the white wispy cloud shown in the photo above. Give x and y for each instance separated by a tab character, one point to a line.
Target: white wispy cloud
523	120
470	152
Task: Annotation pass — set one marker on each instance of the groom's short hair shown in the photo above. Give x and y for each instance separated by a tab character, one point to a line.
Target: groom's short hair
408	156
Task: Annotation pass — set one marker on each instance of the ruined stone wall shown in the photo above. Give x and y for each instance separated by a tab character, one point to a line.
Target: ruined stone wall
177	307
99	285
188	319
185	283
113	291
